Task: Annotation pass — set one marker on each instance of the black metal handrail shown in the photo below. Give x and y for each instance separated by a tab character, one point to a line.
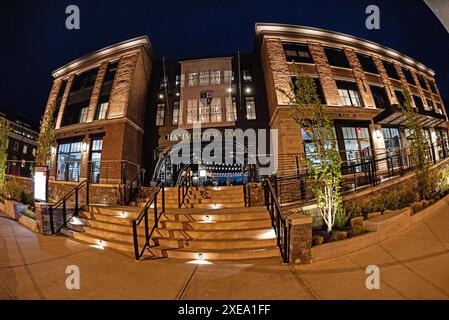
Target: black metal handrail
183	187
63	202
278	220
131	187
143	216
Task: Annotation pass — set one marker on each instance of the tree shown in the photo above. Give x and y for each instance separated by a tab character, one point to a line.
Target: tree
4	142
417	145
325	170
46	136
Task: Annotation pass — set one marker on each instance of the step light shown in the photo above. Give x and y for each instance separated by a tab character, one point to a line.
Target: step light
207	218
123	215
200	256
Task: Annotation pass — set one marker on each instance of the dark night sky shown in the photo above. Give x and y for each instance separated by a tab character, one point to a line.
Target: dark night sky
35	41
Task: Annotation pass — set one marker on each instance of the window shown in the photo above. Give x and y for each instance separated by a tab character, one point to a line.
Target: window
391	70
408	76
204	115
430	104
367	63
215	77
356	143
192	79
422	82
111	71
297	52
33	152
228	76
349	94
380	96
216	110
250	108
83	115
160	114
25	149
433	88
319	88
16	146
439	108
204	78
392	138
69	160
175	119
192	111
102	108
177	80
418	102
84	80
95	159
231	109
336	57
247	76
400	97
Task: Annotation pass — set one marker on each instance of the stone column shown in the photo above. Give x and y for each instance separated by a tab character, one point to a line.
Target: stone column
43	218
300	250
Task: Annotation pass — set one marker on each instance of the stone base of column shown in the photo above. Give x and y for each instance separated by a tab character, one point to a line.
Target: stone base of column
300	250
43	218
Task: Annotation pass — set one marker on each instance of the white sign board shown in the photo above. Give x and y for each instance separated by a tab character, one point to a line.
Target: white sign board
40	184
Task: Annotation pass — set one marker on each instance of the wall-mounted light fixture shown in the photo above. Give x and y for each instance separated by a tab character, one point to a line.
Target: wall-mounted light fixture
378	134
53	149
84	147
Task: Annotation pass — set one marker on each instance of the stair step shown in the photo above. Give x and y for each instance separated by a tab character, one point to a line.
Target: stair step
225	254
217	225
256	233
209	244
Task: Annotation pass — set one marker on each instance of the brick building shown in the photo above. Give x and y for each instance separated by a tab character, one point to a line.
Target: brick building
117	107
22	145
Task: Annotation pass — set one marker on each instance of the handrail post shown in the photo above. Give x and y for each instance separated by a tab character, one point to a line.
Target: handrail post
136	239
87	193
50	211
76	202
147	234
163	197
64	213
156	222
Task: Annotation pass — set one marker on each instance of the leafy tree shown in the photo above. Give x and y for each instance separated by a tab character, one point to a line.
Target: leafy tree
325	171
4	142
46	136
417	146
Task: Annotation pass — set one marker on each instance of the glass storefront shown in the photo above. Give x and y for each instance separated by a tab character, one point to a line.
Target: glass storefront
356	142
69	160
392	138
95	160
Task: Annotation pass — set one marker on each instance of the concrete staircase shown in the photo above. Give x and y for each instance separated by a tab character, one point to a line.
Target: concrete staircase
213	224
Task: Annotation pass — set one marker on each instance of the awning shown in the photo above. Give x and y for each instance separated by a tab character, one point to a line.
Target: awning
394	116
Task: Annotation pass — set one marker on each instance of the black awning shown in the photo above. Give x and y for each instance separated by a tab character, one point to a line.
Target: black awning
393	115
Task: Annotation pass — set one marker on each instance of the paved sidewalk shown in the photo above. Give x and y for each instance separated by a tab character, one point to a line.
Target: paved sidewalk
413	265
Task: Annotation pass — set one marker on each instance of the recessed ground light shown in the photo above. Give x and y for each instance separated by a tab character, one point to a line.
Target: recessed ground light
207	218
123	214
200	256
100	243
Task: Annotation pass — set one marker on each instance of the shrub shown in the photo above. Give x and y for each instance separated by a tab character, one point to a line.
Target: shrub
357	221
425	203
356	230
30	214
417	206
431	202
15	191
338	235
317	240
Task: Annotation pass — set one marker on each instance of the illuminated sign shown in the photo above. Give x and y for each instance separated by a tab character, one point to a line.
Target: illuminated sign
40	184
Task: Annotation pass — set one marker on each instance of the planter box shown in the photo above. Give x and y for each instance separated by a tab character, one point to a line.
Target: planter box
2	206
27	222
14	208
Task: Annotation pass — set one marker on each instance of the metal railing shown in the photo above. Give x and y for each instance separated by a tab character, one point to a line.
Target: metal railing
185	183
278	220
20	168
63	204
143	216
132	187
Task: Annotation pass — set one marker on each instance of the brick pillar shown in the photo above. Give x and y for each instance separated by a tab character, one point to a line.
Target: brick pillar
403	80
386	80
68	87
95	97
326	75
121	88
277	73
43	218
300	250
420	90
362	82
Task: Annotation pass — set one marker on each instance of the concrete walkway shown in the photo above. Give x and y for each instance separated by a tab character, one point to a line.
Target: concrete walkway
413	265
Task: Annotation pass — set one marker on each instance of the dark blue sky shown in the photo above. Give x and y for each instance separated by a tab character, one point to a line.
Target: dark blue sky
35	41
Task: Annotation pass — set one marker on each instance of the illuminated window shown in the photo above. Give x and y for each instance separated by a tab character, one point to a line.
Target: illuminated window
231	109
160	114
204	78
250	108
349	94
101	111
25	149
83	115
192	111
192	79
216	110
215	77
175	119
